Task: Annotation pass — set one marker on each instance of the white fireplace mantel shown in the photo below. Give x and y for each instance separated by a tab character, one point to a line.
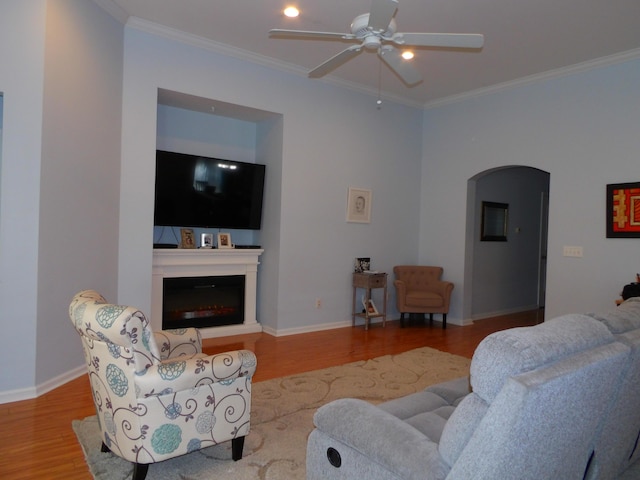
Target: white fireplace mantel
171	263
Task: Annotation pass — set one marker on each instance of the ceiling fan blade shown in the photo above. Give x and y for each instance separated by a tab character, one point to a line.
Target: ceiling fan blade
451	40
403	69
335	61
278	32
381	14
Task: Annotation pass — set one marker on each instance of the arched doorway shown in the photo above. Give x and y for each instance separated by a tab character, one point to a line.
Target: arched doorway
506	275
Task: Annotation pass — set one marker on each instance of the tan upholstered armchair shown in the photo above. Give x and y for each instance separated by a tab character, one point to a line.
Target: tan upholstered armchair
419	289
156	394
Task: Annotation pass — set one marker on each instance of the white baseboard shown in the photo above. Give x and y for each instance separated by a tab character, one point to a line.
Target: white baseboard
228	330
318	328
311	328
33	392
499	313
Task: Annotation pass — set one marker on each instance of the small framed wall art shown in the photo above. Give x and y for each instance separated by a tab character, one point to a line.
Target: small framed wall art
493	226
359	205
623	210
224	240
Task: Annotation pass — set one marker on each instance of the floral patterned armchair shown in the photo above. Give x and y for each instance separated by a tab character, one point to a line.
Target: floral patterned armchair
158	396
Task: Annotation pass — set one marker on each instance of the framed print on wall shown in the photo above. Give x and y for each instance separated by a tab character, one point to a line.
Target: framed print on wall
623	210
359	205
493	227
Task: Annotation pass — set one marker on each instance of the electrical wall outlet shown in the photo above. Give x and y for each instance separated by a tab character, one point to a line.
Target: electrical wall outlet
318	303
569	251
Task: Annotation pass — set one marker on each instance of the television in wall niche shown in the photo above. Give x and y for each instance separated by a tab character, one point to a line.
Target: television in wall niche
195	191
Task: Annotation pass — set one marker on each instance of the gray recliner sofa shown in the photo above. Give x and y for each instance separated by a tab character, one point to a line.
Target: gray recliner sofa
560	400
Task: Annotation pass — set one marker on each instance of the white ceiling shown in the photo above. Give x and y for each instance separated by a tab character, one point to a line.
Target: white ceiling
524	39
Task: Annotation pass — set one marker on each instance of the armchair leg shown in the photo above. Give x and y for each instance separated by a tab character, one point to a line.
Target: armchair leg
444	321
237	444
104	448
140	471
431	319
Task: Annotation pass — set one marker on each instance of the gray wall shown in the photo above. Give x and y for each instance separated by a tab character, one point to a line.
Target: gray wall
60	174
582	129
80	172
21	79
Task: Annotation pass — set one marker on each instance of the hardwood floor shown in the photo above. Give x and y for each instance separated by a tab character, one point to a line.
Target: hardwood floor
37	442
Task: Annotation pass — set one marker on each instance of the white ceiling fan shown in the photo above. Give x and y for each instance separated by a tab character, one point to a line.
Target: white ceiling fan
376	31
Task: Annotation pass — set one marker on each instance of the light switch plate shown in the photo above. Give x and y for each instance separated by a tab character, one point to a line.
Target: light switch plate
571	251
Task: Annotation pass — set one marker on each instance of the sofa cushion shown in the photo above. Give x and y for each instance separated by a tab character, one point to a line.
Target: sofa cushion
423	299
623	318
429	410
510	352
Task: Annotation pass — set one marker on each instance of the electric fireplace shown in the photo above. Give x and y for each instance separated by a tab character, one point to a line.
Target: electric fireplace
229	308
203	301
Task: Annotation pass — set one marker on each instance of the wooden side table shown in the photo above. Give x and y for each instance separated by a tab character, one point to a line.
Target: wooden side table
367	281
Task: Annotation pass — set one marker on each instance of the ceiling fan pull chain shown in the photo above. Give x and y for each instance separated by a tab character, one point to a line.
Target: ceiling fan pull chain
379	101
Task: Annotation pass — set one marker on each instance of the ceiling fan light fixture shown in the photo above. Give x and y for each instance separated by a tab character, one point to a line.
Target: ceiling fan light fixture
376	31
371	42
291	12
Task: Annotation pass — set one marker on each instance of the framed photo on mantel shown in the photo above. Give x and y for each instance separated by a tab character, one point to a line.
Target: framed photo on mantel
224	240
187	238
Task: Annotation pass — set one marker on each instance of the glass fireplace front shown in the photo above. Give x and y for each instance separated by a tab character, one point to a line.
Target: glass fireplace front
203	301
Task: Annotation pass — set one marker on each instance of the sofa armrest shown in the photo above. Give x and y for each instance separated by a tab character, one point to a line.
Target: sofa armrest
443	288
401	293
179	342
184	373
385	439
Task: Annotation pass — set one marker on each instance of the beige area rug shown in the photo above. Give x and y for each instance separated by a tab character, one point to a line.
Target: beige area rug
282	418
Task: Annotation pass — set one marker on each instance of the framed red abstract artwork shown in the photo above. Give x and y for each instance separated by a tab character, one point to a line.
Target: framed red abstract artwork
623	210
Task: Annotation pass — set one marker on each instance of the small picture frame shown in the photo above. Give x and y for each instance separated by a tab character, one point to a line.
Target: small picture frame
363	264
206	240
369	307
359	205
224	240
493	226
187	238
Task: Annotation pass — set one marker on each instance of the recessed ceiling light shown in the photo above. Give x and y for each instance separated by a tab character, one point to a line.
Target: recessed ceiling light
407	55
291	12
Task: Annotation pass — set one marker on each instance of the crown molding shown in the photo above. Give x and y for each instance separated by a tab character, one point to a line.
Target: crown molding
116	11
539	77
270	62
224	49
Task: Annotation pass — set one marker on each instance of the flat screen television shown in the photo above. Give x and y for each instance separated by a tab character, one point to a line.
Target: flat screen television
195	191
